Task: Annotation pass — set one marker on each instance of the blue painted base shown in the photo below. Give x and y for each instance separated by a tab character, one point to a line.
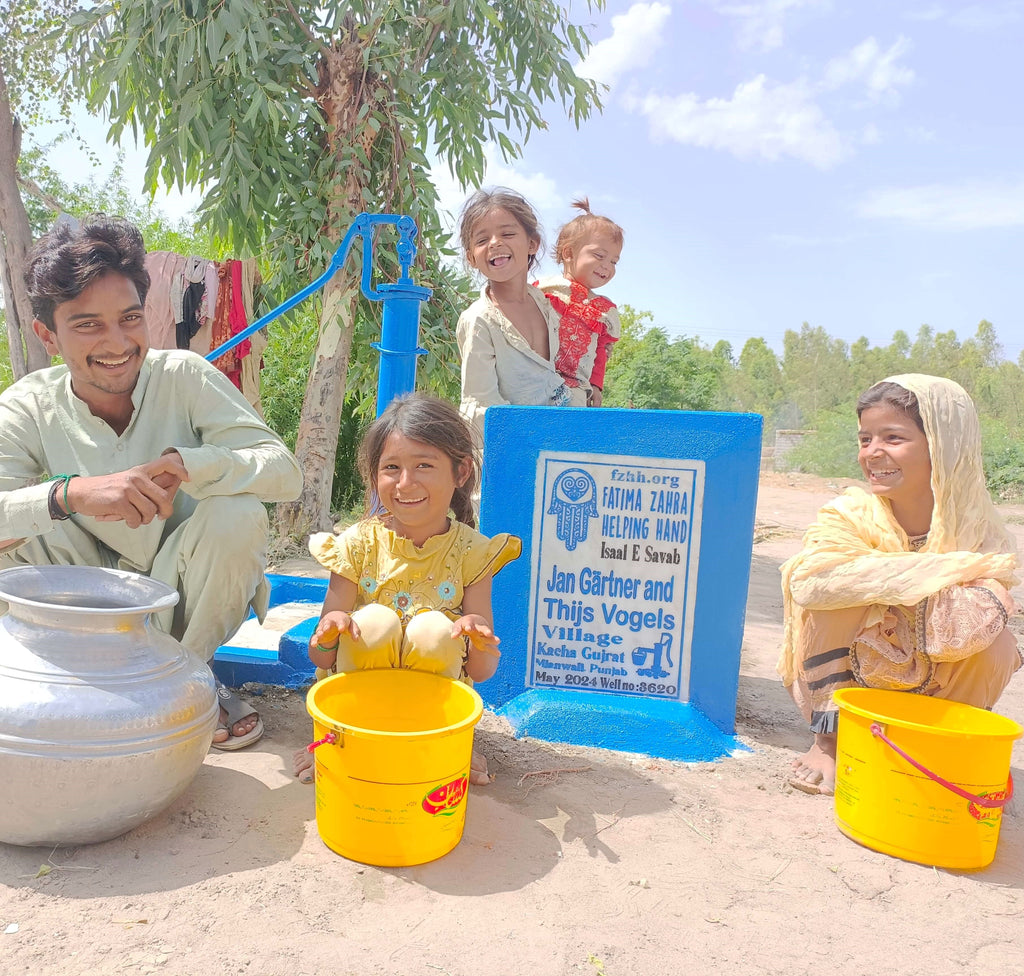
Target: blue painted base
289	666
653	727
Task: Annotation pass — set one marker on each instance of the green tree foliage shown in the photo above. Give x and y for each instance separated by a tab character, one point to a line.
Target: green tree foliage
757	382
816	368
109	195
648	370
6	373
816	383
296	116
868	364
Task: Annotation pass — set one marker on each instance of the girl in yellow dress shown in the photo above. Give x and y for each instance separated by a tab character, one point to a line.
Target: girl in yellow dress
410	585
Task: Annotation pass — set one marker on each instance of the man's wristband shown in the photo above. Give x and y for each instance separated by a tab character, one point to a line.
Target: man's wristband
56	512
67	504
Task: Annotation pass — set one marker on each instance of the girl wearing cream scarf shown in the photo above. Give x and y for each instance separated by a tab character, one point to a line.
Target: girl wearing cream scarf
905	585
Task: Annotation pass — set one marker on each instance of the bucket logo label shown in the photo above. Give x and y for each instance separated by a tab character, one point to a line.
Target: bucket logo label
989	816
443	800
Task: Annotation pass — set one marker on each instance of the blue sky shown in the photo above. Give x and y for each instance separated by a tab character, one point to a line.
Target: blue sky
855	165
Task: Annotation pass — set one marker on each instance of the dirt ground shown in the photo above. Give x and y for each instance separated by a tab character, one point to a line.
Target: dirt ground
634	867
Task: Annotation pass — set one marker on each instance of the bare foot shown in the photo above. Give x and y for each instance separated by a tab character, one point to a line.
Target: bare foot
302	764
478	774
815	770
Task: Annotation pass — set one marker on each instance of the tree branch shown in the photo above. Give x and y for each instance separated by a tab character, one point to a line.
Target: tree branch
425	53
40	194
304	27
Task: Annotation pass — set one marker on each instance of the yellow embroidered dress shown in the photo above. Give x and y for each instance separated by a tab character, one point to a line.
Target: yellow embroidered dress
390	570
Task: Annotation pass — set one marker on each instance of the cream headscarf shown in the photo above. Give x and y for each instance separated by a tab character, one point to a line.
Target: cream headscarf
857	555
964	517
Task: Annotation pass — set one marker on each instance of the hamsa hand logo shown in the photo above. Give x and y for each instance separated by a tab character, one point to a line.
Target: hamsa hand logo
574	501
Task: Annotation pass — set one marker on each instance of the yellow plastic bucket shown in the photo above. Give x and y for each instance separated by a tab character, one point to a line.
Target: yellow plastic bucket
922	778
392	775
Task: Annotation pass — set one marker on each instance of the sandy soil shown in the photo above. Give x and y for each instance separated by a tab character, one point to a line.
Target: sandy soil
635	867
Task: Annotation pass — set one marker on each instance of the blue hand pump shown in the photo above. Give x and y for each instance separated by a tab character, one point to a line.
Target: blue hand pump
402	300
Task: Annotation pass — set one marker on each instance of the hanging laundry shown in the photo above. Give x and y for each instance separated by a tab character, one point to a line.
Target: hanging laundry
164	268
253	363
193	280
198	304
228	363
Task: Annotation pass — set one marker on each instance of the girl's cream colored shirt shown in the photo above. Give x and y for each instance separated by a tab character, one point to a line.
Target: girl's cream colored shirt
500	367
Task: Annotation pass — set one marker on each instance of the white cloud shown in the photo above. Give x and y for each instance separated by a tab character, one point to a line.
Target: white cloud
636	34
761	119
988	16
975	16
965	206
760	23
773	120
879	70
925	14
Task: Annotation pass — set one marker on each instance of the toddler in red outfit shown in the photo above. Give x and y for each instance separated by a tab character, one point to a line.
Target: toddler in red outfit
588	249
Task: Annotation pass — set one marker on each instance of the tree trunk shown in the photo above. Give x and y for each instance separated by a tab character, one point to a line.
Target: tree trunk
27	352
343	92
14	343
320	421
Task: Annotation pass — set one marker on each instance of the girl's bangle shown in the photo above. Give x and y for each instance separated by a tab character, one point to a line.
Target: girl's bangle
327	650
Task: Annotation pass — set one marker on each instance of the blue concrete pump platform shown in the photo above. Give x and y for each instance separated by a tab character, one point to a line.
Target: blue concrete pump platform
621	623
288	665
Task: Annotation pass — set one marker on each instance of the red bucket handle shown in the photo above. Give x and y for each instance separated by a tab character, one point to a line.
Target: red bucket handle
987	802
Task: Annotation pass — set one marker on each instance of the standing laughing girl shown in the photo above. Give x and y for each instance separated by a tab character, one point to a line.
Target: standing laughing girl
508	337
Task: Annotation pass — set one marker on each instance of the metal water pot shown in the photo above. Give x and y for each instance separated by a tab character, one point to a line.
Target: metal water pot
104	720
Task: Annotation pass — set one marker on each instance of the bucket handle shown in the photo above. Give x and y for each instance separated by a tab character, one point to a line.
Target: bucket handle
327	740
987	802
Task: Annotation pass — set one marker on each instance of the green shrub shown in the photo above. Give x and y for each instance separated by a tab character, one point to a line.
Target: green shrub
1003	456
6	374
286	363
831	450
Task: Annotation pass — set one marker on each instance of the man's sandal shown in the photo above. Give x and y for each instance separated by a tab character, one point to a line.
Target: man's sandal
237	709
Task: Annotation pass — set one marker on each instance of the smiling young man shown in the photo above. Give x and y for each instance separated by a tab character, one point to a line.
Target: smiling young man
137	459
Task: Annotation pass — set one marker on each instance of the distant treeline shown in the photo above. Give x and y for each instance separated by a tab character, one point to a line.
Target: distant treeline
815	383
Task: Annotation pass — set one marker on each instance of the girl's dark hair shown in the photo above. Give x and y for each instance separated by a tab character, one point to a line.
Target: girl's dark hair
424	418
70	258
581	228
483	202
896	396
